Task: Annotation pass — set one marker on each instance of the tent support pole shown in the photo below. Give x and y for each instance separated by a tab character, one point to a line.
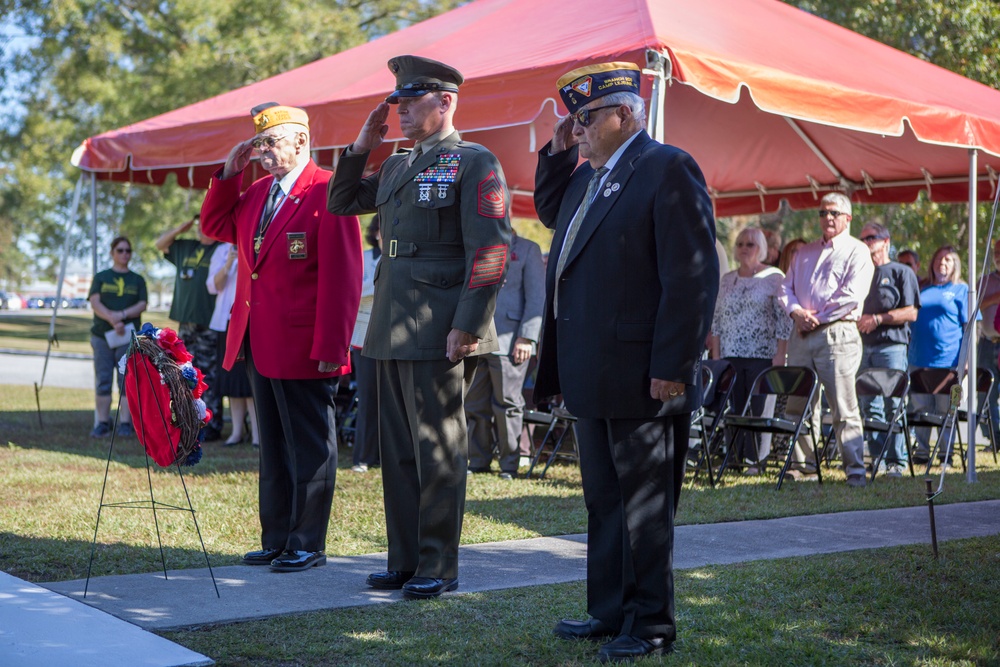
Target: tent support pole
93	223
657	64
970	469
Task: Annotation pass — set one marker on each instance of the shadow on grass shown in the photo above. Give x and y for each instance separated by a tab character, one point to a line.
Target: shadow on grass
47	559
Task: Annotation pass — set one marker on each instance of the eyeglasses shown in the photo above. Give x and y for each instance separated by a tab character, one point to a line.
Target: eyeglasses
836	214
266	142
124	250
870	238
583	115
746	244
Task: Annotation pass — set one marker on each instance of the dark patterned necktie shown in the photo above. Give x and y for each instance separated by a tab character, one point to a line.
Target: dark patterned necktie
265	219
574	227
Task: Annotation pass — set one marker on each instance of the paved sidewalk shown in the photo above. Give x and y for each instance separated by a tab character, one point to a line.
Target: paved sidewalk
47	634
72	371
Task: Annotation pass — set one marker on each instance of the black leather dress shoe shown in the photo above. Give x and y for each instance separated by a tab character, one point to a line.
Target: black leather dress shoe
589	629
261	557
625	648
389	581
421	588
293	561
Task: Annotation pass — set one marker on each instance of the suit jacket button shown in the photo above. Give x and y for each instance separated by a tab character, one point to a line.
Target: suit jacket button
253	276
395	221
398	203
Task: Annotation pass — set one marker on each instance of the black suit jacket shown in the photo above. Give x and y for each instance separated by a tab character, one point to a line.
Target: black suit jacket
638	291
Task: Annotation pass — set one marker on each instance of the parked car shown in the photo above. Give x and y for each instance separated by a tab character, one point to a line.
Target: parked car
78	302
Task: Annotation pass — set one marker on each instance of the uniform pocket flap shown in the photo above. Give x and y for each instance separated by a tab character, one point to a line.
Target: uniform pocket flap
438	274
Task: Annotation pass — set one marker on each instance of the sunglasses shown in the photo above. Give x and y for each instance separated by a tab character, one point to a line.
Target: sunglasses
870	238
747	244
123	250
583	116
836	214
266	142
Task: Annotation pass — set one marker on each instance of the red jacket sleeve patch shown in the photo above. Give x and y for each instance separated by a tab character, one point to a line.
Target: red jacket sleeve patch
487	268
491	199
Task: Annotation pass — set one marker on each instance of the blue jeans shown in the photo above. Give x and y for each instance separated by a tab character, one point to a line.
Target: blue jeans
986	357
884	355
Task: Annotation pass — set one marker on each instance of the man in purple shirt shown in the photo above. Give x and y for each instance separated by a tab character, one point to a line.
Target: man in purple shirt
824	293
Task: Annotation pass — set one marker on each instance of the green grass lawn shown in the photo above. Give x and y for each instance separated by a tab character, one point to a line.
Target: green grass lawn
887	607
29	330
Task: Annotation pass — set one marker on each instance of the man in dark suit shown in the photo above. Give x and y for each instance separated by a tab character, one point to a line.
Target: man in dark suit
297	296
444	211
631	284
496	395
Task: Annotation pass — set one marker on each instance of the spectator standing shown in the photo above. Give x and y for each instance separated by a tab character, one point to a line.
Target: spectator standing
988	348
118	297
750	329
444	208
297	293
912	260
366	452
824	292
892	303
496	395
937	333
232	383
192	308
630	292
788	255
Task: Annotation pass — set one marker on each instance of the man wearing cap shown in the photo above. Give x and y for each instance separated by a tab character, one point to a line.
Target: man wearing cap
444	211
631	285
890	306
297	296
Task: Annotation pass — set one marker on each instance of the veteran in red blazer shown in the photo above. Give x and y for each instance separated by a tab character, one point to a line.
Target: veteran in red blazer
297	296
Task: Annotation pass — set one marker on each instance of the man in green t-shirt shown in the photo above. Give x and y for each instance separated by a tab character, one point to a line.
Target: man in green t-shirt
192	308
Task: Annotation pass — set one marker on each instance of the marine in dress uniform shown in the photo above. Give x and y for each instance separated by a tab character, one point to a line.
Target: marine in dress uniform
631	284
297	295
445	226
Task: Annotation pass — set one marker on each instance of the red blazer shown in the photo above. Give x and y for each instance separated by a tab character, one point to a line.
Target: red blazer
300	295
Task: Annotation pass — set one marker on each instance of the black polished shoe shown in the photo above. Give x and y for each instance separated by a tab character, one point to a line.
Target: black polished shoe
262	557
591	629
508	476
625	648
388	581
294	561
422	588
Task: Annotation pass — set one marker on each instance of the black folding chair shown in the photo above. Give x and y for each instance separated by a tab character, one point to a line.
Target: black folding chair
560	426
984	385
707	422
791	386
935	384
887	383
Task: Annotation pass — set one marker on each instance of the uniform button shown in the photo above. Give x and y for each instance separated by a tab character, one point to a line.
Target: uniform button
248	304
253	276
395	221
398	203
444	283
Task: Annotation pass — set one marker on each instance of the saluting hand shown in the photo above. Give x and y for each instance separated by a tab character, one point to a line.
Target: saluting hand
373	131
238	158
562	135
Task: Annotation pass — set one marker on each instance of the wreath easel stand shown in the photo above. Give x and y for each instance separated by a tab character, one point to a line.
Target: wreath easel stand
166	414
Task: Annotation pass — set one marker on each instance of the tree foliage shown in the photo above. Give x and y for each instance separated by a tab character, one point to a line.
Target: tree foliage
71	69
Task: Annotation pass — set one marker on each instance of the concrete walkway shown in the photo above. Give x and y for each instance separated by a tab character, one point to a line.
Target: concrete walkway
73	371
39	627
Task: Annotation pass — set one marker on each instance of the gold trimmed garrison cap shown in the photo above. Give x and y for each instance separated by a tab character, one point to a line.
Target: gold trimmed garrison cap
416	76
586	84
272	114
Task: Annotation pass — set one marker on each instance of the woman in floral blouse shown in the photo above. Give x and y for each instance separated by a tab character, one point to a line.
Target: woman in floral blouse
750	329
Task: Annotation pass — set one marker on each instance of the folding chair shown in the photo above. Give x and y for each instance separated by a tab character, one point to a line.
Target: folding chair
560	424
984	385
931	387
707	422
782	382
887	383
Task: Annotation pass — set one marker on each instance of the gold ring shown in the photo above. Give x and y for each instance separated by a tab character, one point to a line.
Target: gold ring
673	394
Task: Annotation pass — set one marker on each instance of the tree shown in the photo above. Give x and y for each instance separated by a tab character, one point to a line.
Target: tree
94	65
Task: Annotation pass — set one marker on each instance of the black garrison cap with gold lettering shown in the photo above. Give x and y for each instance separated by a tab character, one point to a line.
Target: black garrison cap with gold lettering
586	84
416	76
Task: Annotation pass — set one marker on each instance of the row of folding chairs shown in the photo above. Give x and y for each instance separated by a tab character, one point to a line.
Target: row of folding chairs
792	389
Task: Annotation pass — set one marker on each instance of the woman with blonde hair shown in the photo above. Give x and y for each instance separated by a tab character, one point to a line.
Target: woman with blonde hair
750	329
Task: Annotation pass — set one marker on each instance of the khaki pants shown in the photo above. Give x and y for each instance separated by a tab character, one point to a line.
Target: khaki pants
834	352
